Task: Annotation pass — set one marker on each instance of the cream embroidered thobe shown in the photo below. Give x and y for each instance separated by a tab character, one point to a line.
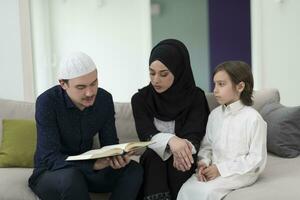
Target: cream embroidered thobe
235	142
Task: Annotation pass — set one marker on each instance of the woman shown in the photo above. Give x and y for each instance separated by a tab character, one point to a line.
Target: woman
172	112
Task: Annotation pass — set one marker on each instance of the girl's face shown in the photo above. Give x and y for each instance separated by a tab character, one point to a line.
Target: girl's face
225	91
160	76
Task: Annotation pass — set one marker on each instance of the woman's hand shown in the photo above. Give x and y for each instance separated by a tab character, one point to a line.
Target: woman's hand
182	153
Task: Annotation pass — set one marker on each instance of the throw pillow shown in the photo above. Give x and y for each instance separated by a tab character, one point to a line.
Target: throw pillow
18	143
283	137
0	131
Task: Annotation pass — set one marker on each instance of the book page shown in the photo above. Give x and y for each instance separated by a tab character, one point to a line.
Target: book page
105	151
119	146
136	145
110	150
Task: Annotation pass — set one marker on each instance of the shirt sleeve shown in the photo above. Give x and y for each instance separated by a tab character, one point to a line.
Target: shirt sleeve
160	142
205	151
256	157
108	133
143	119
195	124
160	145
48	143
193	147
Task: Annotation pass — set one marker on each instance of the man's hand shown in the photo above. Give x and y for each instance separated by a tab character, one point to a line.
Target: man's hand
211	172
117	162
182	153
199	171
101	163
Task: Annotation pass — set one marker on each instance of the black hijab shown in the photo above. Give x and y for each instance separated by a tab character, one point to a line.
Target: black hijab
183	101
171	104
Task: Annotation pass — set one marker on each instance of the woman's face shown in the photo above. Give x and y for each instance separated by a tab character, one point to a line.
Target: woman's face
160	76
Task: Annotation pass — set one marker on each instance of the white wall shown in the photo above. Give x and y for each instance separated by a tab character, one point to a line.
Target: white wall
276	47
122	53
116	34
41	42
16	71
187	22
11	71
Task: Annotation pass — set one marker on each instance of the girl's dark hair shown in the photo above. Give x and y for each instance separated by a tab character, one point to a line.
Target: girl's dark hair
239	71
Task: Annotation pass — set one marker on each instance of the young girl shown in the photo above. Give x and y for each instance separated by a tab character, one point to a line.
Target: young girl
172	112
233	152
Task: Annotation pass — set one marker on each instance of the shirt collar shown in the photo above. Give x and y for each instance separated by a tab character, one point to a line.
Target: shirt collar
233	107
69	103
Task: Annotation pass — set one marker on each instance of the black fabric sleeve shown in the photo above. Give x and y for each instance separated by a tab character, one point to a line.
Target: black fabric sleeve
194	125
143	119
48	144
108	133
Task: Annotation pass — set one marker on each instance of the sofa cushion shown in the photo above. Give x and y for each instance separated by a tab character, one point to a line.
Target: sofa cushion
283	136
18	143
10	109
14	184
125	123
279	180
1	130
264	97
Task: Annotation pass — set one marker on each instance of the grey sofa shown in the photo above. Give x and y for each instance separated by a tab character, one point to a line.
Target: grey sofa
280	180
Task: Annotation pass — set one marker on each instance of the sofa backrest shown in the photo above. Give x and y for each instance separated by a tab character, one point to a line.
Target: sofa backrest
260	98
126	127
10	109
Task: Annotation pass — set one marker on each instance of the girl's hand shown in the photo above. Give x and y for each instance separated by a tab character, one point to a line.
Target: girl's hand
211	172
182	153
199	171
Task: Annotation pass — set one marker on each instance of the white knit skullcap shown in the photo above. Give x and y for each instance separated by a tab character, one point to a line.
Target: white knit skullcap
74	65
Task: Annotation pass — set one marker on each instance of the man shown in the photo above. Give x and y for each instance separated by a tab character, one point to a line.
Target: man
68	116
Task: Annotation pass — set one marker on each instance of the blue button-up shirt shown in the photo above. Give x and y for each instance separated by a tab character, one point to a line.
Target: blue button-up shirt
65	130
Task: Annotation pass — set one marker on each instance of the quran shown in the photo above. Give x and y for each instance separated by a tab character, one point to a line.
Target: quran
110	150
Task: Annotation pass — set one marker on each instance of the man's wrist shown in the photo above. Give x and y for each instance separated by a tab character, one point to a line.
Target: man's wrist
101	164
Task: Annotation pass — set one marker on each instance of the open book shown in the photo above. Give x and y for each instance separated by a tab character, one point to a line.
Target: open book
110	150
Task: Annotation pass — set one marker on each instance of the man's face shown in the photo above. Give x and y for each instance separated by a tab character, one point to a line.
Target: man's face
82	90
